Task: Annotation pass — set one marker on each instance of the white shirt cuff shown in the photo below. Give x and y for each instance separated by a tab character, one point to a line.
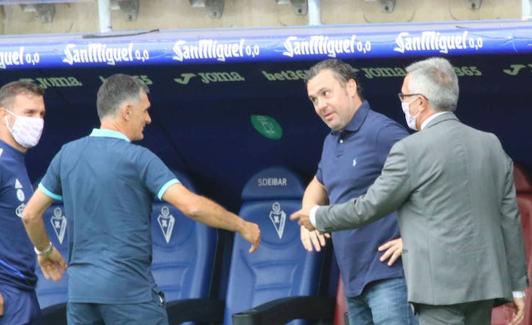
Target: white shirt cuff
312	215
518	294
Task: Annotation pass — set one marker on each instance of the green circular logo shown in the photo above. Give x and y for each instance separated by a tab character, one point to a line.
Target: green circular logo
267	126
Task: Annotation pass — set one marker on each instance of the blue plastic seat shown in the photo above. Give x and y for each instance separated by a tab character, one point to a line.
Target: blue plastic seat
183	259
263	286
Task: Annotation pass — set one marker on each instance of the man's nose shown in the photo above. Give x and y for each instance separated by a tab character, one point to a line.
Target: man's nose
321	103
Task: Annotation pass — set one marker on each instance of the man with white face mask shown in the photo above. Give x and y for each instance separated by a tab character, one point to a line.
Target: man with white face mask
21	124
410	120
453	188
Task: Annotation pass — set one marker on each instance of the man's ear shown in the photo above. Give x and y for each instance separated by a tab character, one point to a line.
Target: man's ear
351	86
424	105
3	112
125	112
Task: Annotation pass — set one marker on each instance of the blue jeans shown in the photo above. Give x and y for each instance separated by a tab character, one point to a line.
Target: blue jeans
382	302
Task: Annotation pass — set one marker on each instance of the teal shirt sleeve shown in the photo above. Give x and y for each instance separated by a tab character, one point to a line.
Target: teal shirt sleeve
165	187
155	174
51	182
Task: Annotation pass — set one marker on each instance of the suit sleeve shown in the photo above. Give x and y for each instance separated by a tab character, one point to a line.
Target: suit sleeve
387	194
512	233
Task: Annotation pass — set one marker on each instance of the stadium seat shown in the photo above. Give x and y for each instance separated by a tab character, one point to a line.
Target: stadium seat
183	257
182	265
523	185
522	179
524	199
525	206
52	295
281	281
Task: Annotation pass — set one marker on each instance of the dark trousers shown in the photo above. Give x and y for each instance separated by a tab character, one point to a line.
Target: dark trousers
147	313
20	306
470	313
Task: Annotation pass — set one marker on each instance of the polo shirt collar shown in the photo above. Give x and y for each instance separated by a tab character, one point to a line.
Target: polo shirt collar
109	134
14	153
357	120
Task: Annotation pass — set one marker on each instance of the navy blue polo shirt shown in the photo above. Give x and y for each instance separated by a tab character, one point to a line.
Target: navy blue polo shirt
108	185
351	161
17	259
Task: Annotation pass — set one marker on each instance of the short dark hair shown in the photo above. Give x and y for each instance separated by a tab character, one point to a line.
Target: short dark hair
343	72
117	89
10	90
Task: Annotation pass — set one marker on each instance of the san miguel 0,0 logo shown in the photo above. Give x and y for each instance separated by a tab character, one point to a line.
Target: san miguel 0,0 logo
435	41
101	53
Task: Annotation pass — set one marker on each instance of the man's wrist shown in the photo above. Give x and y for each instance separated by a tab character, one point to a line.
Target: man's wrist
312	215
241	226
44	252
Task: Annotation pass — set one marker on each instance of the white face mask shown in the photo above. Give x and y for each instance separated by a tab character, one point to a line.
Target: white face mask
410	120
26	130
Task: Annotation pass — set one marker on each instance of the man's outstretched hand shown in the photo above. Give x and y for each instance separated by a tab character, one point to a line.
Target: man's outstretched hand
302	217
251	232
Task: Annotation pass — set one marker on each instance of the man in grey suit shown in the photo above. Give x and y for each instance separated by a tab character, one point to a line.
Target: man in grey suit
453	188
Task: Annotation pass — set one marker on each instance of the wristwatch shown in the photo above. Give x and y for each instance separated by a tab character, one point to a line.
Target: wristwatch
45	252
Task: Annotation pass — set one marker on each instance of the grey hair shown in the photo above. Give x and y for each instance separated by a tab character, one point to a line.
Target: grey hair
116	90
342	71
435	79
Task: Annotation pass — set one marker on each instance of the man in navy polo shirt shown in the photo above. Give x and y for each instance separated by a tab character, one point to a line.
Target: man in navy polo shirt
107	185
21	124
352	158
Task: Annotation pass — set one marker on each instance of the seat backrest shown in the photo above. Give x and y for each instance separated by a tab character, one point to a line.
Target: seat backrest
525	206
280	267
49	292
183	251
523	185
522	179
524	201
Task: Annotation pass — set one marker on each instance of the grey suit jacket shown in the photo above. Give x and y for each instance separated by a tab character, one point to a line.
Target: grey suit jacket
453	188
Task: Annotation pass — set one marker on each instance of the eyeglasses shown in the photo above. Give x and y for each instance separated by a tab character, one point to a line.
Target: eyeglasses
403	96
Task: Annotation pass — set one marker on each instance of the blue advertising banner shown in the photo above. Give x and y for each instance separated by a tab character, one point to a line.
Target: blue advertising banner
228	102
266	45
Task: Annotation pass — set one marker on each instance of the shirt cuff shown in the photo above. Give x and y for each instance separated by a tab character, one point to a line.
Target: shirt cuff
518	294
49	193
312	215
165	187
